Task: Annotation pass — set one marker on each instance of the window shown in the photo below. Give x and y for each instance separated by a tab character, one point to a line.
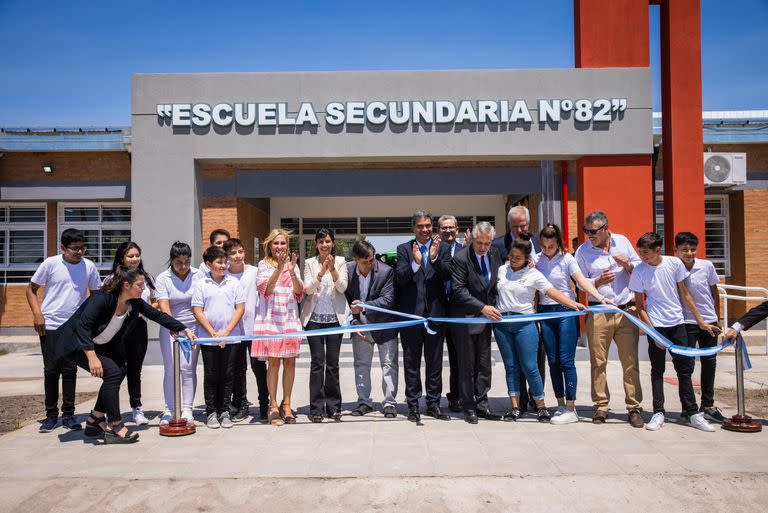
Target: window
716	235
105	227
22	241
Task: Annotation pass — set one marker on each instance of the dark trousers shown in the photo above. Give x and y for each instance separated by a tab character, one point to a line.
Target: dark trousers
218	363
474	355
453	363
415	341
53	368
108	400
324	387
683	367
698	336
524	390
239	380
136	342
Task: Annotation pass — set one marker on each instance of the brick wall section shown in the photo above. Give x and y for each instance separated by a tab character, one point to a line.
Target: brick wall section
14	310
219	213
67	166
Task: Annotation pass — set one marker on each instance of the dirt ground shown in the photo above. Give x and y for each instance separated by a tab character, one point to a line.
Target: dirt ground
17	411
755	401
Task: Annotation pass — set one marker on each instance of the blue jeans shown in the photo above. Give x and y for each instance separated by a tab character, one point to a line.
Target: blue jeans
560	337
519	347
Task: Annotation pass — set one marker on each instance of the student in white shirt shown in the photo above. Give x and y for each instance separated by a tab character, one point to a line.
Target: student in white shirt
128	255
217	238
218	304
702	282
659	286
560	335
67	278
519	342
174	298
247	275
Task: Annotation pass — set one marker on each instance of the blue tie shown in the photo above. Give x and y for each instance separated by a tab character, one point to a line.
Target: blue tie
424	257
484	270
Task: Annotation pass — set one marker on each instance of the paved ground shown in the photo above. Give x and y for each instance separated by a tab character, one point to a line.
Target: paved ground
372	463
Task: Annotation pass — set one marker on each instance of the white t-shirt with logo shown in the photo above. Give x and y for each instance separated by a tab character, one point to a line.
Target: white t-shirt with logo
701	278
66	286
218	301
659	283
517	289
247	280
558	271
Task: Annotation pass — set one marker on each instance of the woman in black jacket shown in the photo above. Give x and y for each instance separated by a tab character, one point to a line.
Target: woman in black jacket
95	338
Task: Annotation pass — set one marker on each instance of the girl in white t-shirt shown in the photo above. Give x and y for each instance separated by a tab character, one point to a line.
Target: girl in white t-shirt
174	296
519	342
560	335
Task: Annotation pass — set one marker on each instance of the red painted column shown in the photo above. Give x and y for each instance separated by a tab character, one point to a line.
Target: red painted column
614	33
682	139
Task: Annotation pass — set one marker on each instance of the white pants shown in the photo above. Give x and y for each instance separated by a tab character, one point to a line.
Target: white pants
362	350
188	372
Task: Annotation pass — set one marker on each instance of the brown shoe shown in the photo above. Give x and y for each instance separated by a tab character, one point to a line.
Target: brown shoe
636	419
600	417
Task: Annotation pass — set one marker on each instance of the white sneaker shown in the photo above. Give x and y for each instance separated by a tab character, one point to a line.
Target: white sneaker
569	417
138	417
166	418
699	422
560	411
225	421
213	421
187	415
656	422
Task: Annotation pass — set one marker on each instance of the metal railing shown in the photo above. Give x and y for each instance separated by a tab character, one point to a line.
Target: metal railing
725	297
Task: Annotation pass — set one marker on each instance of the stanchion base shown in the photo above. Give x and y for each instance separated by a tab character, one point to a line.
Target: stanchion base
742	424
179	427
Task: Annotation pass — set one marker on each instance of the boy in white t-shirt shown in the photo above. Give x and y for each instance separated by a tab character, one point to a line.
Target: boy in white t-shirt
67	278
659	286
247	276
218	303
702	283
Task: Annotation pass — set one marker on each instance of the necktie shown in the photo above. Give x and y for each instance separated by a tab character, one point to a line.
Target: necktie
424	256
484	270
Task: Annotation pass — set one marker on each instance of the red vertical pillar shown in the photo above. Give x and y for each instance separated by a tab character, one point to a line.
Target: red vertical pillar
609	34
682	139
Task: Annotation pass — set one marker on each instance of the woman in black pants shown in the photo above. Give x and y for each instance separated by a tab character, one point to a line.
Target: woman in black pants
96	338
128	255
324	306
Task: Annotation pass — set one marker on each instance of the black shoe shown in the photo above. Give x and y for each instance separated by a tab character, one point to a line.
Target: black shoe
488	415
434	412
69	422
599	417
49	424
361	410
241	415
413	415
389	412
512	415
454	405
233	410
470	416
263	412
543	415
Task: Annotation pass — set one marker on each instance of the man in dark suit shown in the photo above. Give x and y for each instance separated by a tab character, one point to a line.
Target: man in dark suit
519	220
748	320
372	282
474	271
449	228
423	265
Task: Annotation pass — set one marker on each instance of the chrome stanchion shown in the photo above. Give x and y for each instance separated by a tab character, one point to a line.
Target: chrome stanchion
178	426
741	422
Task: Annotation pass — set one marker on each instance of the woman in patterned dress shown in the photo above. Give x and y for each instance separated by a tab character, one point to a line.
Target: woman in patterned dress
280	291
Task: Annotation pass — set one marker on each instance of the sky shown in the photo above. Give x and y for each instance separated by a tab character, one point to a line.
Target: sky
70	63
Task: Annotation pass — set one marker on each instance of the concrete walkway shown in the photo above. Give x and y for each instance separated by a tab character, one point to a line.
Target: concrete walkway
380	463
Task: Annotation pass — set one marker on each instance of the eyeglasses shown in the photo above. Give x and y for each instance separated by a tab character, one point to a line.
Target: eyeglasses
77	249
590	231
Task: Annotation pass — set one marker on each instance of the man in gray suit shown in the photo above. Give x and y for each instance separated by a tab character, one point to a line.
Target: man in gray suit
372	282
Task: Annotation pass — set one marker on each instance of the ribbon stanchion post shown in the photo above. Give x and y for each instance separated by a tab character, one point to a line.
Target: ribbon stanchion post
741	422
177	426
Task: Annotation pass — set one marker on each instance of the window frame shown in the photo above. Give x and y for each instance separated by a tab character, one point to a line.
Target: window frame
7	226
100	225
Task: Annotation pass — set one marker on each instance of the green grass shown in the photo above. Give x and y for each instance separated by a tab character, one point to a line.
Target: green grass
3	352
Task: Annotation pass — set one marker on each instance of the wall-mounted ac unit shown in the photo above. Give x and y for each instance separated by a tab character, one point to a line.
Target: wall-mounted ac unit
725	168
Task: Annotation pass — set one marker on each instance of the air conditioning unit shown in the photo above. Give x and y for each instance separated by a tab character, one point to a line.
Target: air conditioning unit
725	168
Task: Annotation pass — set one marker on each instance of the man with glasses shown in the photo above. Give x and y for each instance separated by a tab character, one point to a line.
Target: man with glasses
67	278
607	260
449	229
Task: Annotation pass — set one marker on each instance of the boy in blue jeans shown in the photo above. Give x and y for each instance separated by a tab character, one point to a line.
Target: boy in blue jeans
659	286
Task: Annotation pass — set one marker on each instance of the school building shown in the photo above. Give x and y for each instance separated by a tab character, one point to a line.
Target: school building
360	151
